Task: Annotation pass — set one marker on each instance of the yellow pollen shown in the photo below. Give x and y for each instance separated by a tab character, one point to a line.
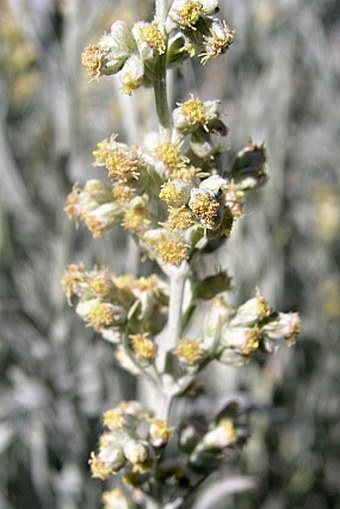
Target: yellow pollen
205	207
73	275
72	205
187	173
171	250
189	351
148	284
194	111
93	59
233	199
160	429
112	498
103	150
101	314
189	13
143	346
95	225
172	194
136	219
114	418
215	44
152	35
179	218
123	193
125	281
169	154
100	469
229	429
100	285
121	165
252	341
129	83
263	308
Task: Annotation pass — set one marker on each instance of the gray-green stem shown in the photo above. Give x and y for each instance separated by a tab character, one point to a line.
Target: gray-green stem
159	82
171	334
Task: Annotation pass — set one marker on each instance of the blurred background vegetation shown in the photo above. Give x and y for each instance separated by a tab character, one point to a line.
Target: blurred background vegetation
279	84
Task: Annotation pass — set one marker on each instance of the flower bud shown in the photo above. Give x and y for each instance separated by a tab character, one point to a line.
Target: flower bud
100	219
159	432
110	53
140	454
206	208
193	113
176	192
98	191
238	344
132	74
149	39
252	311
217	40
98	314
222	436
248	171
284	325
116	499
219	315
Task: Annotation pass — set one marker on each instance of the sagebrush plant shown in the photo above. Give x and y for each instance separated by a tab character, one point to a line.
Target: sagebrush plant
171	194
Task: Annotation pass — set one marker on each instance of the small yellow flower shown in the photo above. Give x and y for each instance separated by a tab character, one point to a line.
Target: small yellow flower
125	282
93	59
121	165
189	351
188	174
233	199
174	194
95	225
180	218
189	13
101	283
103	150
72	207
151	34
99	468
144	347
205	208
172	249
252	341
114	499
170	155
194	111
217	42
73	276
101	314
159	432
151	284
136	219
114	418
122	192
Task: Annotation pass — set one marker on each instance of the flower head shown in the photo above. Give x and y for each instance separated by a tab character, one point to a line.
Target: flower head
144	348
217	41
189	351
206	208
132	74
175	192
110	53
159	432
149	39
115	499
171	248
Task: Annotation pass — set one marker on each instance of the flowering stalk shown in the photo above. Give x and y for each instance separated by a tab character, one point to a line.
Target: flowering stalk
169	194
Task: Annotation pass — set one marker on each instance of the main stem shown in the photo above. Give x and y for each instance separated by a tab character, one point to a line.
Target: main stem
159	82
171	335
